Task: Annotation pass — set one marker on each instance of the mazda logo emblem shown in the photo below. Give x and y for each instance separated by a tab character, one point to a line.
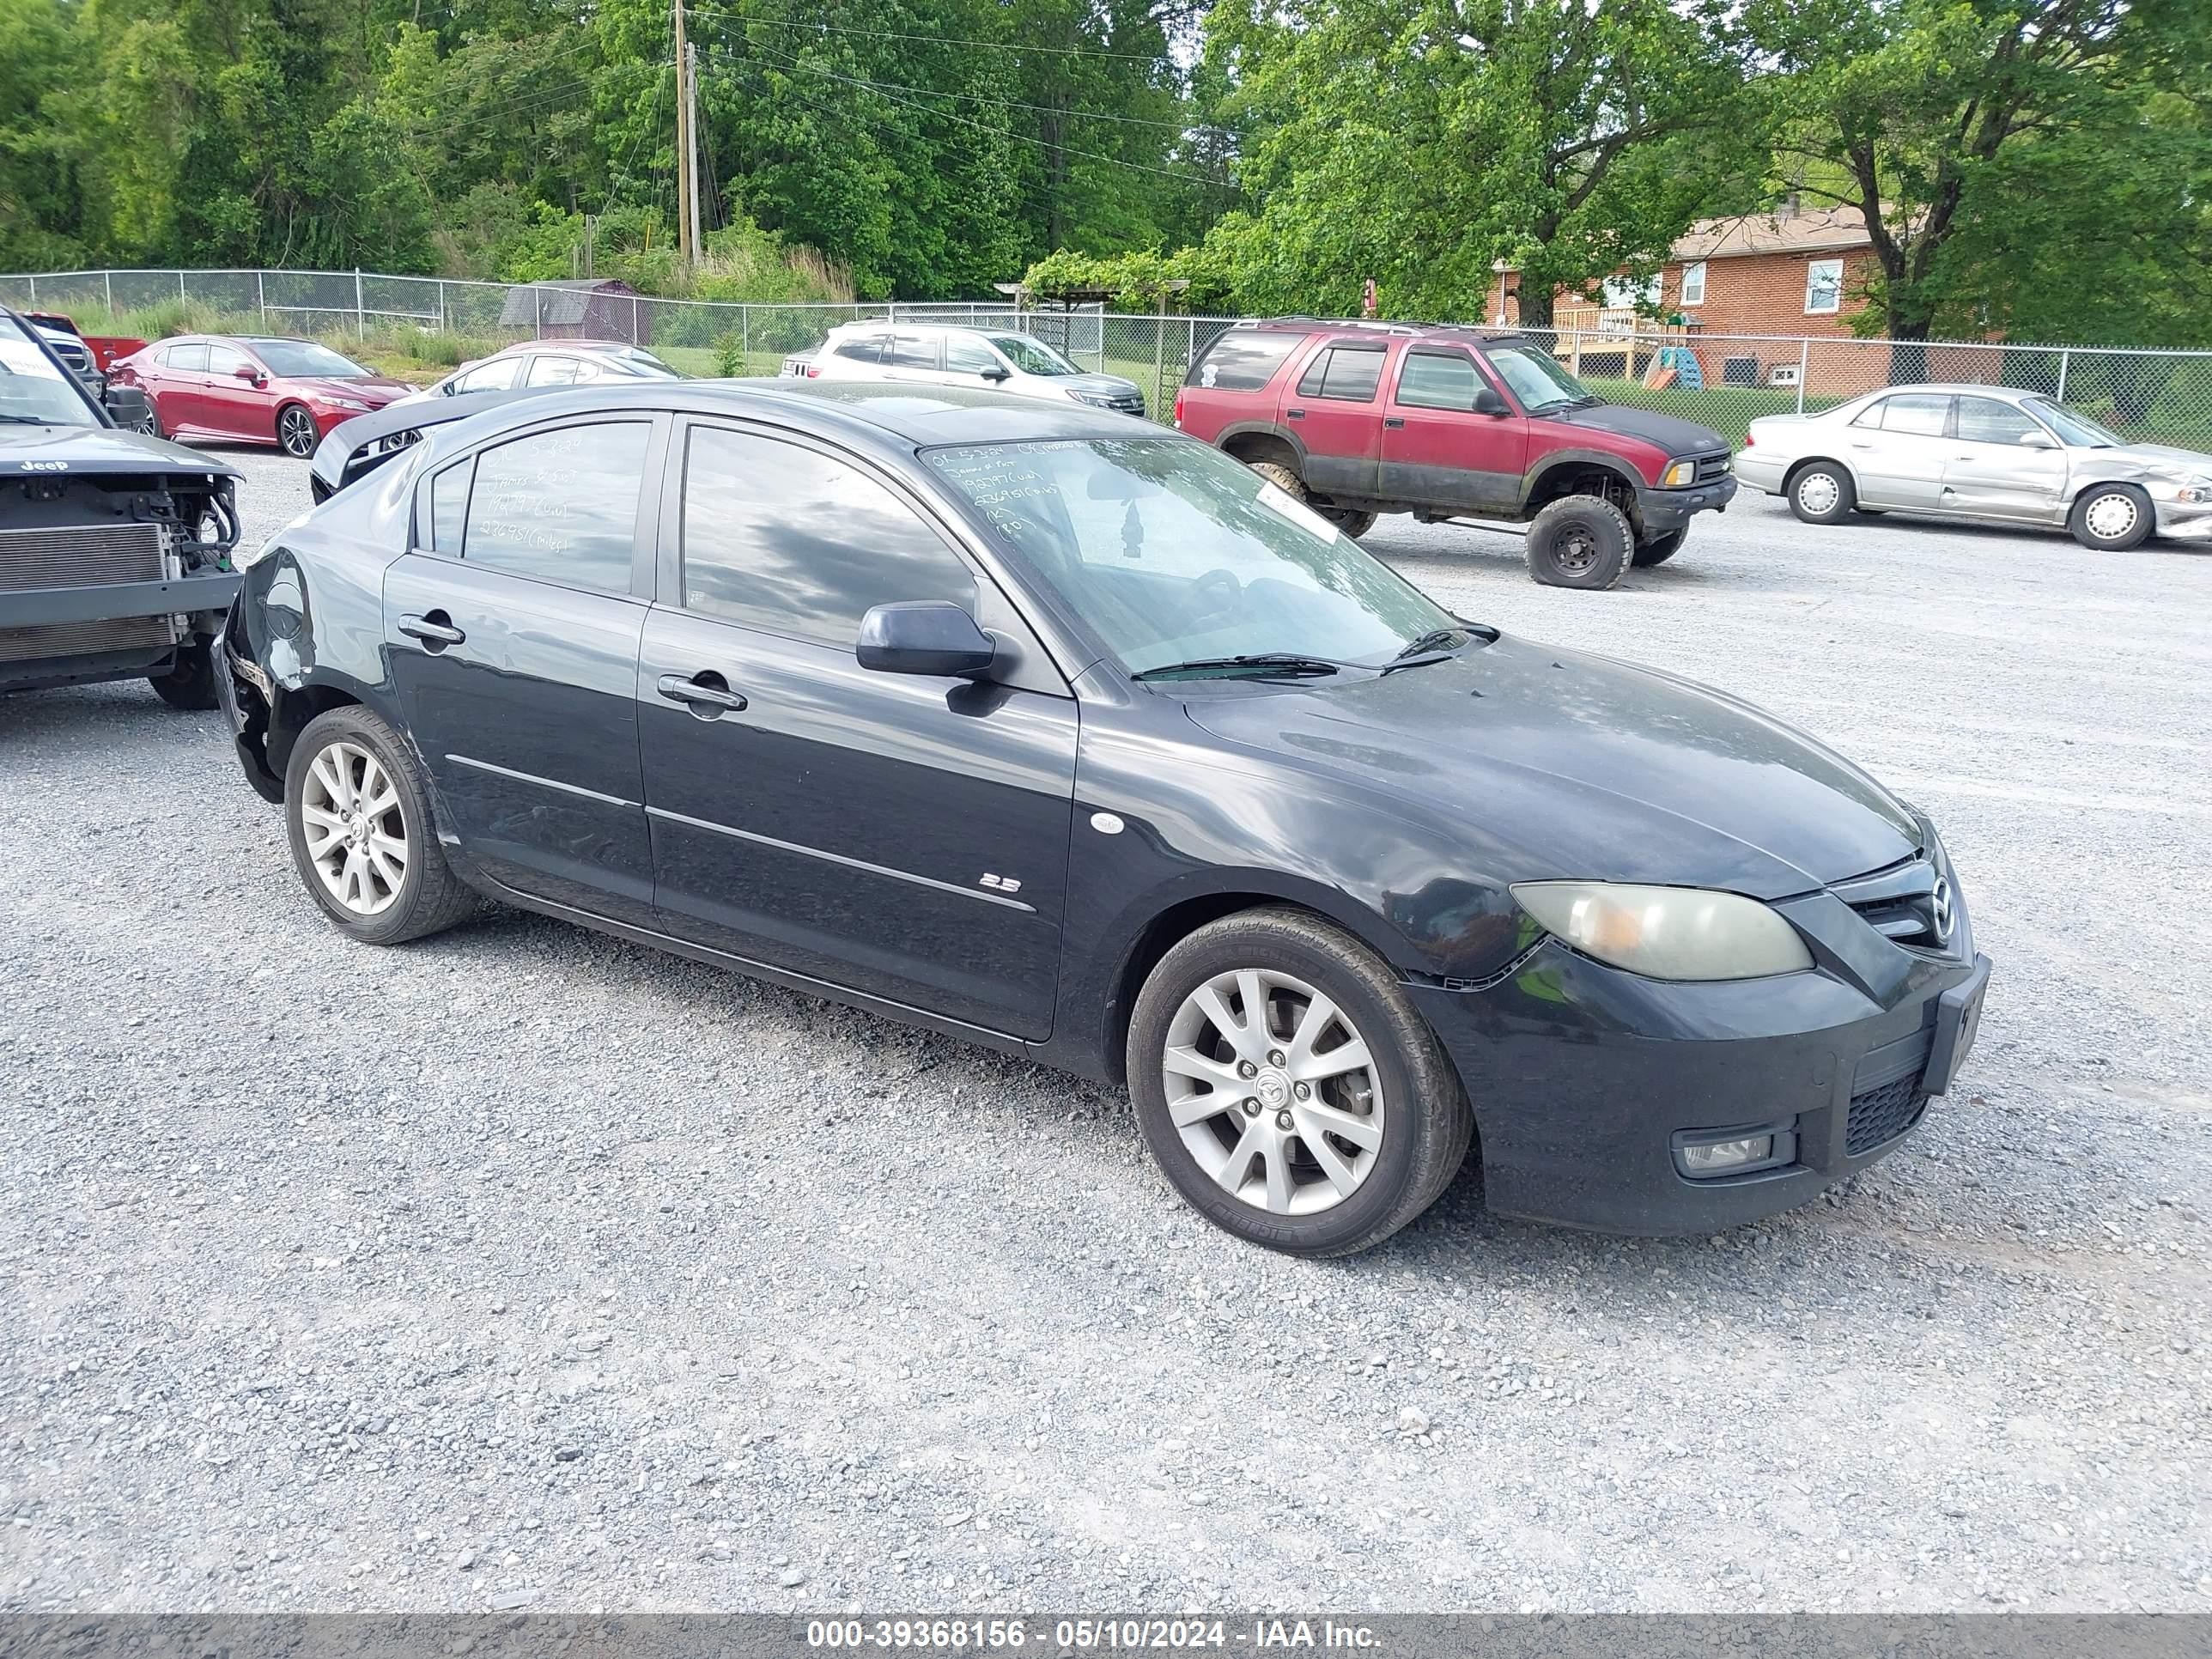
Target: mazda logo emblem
1941	904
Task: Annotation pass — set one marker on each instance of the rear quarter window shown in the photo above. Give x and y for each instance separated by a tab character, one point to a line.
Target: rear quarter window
1243	361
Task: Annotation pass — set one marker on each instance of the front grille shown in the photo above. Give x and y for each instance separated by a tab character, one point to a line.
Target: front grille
80	555
1881	1114
1909	903
1711	468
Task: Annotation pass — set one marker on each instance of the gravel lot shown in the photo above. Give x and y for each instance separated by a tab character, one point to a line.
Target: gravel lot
523	1267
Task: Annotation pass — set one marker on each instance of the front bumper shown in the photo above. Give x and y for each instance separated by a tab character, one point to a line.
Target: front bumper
1665	510
1585	1080
2184	520
193	595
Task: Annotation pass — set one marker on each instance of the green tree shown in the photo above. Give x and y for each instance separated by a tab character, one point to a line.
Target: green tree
1423	145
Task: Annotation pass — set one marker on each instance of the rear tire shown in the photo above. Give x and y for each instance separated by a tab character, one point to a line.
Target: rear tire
191	683
1283	477
1580	541
372	861
1657	549
1354	524
2112	517
1822	493
1394	1125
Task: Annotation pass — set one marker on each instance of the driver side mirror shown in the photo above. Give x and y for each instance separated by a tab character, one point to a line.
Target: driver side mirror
2037	439
1487	401
923	636
998	371
247	372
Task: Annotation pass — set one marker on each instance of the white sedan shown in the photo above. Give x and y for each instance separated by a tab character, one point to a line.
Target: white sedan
989	359
1990	453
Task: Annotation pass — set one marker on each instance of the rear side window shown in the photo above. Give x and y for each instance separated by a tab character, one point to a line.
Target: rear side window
1348	373
187	356
914	351
1243	360
449	508
868	348
792	541
1920	413
559	506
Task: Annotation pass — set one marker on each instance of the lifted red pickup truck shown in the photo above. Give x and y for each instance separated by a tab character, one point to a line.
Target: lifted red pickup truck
1362	418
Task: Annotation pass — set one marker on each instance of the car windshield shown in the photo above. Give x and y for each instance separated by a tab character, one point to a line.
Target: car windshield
1032	356
1176	555
32	391
305	359
1536	380
2077	429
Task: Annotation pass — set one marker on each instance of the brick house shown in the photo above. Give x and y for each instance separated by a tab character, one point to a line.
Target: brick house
1792	274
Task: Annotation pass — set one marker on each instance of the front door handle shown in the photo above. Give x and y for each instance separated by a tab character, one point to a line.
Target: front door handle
707	694
1296	414
1391	422
1857	445
436	630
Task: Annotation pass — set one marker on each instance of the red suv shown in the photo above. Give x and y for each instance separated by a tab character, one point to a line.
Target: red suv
1360	418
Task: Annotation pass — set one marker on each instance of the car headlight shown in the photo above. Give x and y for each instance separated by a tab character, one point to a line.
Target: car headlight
1095	400
1678	474
1666	932
2196	490
346	403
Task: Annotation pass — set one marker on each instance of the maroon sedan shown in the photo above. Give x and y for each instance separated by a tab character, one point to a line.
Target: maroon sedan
241	390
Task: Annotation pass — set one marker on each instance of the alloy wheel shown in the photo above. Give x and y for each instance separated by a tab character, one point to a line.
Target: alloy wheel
2111	516
295	431
356	837
1273	1092
1818	493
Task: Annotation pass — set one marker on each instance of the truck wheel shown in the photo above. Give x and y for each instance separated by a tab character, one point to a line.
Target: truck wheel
2111	517
358	818
1579	541
1354	524
191	683
1657	549
1289	1089
1822	494
1282	478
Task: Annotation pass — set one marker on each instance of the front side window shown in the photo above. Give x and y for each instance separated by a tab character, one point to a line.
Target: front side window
1823	286
965	355
224	360
1986	421
559	506
1243	360
1032	355
1438	379
297	358
1693	284
1541	383
1173	552
32	391
792	541
1350	374
555	371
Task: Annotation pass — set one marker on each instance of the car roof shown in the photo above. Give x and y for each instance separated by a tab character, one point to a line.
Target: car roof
2010	394
1466	334
913	416
565	345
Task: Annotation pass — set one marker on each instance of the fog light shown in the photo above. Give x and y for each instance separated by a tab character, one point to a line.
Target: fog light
1719	1156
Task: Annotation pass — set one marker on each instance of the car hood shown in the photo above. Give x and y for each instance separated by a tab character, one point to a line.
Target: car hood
1559	764
371	389
1668	432
2159	458
55	449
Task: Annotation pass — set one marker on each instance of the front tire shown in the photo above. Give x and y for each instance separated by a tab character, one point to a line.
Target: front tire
2112	517
295	431
191	683
1289	1090
1657	549
358	818
1822	494
1580	541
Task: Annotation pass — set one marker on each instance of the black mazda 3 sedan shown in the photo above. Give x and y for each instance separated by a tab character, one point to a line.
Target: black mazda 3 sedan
1053	731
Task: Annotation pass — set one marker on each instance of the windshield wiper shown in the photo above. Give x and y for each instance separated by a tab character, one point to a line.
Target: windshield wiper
1261	664
31	419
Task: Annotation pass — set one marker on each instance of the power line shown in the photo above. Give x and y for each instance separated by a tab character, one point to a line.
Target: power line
886	92
933	39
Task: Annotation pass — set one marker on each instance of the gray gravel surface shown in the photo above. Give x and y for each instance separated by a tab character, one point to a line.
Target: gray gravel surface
523	1267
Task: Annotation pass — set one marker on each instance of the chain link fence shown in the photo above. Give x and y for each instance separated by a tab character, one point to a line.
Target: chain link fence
1722	381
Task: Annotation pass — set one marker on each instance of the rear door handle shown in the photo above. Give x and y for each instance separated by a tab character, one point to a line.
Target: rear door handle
1296	414
706	693
1393	421
434	631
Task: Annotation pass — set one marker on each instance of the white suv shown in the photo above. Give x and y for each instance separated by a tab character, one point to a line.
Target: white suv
938	355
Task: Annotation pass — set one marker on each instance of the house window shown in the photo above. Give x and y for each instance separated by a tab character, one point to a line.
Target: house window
1628	293
1693	284
1823	285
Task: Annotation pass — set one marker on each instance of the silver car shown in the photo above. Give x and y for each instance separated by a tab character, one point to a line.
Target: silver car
1985	453
992	358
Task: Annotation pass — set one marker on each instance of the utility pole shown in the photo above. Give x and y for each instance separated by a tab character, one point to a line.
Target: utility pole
691	146
686	249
